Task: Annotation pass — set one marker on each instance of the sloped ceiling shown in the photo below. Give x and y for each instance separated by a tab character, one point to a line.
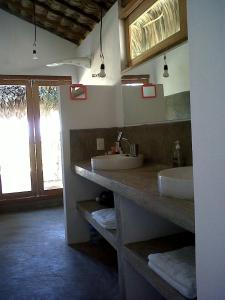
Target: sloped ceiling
69	19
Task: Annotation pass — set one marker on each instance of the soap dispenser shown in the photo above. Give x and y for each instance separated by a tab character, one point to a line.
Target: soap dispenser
177	159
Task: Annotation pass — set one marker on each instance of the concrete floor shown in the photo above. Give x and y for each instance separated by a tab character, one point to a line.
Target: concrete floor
36	263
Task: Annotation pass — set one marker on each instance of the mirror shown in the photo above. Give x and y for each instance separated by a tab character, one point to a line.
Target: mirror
148	90
78	92
139	109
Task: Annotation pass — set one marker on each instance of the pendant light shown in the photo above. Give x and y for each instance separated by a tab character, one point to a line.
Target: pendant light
35	56
102	67
165	68
102	73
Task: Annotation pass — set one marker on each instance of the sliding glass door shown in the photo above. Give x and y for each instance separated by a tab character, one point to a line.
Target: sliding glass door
30	151
47	126
17	142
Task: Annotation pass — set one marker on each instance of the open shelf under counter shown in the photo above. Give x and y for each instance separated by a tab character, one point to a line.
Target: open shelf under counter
89	206
141	186
136	254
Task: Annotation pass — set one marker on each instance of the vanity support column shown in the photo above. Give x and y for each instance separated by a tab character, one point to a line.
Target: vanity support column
136	224
120	258
77	189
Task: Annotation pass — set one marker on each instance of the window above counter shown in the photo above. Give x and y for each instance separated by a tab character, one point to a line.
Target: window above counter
153	27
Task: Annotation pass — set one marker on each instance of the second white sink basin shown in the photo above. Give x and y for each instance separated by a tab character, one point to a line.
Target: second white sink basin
116	162
176	182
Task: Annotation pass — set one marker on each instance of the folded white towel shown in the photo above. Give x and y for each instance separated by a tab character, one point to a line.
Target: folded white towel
177	268
106	217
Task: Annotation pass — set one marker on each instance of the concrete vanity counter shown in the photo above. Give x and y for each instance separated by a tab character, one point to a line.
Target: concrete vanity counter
140	186
143	217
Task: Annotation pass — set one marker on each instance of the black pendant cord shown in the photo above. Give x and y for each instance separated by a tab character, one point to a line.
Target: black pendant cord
34	21
101	52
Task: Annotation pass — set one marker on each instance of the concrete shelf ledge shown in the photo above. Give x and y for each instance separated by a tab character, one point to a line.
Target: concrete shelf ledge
136	255
89	206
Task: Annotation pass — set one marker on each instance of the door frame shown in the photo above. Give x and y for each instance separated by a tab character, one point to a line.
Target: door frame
31	193
35	165
39	170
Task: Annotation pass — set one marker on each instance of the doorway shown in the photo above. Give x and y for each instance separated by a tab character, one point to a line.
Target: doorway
30	151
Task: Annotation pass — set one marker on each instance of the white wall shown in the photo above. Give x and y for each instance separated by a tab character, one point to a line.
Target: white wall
111	50
177	60
98	111
17	37
178	64
207	72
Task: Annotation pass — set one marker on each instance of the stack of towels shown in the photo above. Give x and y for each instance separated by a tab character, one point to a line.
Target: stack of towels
105	217
177	268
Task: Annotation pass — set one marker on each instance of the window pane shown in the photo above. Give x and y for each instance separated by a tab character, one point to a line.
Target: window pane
155	25
14	136
50	137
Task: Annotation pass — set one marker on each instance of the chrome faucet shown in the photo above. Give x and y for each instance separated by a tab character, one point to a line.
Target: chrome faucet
132	147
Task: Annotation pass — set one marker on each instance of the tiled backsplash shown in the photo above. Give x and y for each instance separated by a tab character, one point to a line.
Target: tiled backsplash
83	142
156	141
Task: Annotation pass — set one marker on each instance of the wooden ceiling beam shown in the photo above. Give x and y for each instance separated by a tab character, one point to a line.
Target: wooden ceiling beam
79	11
18	6
60	14
72	29
5	8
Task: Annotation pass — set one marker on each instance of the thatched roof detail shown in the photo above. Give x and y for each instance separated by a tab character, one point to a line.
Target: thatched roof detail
155	25
13	101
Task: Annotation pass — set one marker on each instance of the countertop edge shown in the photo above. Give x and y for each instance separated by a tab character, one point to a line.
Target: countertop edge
178	211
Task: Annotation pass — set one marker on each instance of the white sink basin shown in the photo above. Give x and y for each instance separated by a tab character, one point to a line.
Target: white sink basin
176	182
116	162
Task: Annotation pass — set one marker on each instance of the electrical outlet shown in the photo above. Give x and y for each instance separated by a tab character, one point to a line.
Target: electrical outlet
100	144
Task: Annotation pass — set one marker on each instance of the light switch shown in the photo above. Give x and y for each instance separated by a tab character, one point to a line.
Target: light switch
100	144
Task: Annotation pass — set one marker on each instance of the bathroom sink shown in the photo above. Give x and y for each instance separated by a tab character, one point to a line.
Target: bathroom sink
116	162
176	182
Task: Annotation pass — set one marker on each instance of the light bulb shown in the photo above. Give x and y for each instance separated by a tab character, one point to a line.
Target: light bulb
165	68
166	73
35	54
102	71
